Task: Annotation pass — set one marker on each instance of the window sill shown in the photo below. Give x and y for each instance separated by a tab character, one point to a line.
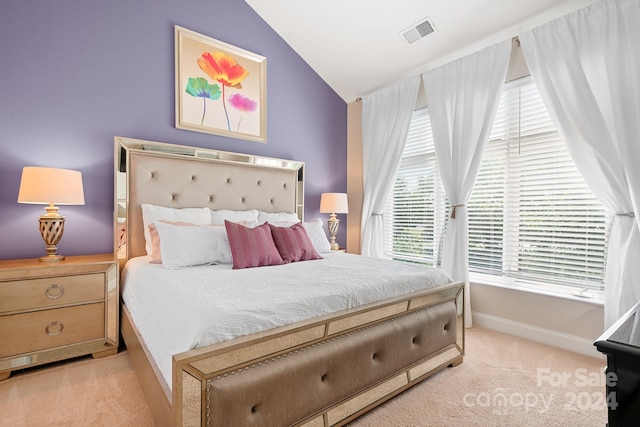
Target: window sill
558	291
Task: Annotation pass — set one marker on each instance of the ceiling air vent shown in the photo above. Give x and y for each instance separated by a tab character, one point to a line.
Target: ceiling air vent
419	30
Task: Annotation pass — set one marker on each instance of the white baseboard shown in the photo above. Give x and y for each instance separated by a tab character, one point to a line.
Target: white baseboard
545	336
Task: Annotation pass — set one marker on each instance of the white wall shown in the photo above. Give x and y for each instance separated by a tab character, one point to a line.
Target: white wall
565	322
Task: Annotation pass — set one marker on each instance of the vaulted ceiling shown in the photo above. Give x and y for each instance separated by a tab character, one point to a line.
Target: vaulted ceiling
357	46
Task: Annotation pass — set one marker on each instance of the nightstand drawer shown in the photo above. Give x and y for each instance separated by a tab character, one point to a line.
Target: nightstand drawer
51	291
27	332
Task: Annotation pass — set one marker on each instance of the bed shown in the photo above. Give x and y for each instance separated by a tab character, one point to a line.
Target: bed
306	363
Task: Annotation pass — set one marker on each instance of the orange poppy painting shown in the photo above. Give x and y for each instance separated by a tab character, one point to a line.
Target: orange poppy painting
220	89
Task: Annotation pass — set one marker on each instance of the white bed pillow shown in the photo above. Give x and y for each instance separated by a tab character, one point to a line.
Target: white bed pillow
190	245
219	216
318	237
153	213
277	217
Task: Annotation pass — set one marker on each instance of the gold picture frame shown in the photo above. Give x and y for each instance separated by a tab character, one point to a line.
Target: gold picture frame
220	89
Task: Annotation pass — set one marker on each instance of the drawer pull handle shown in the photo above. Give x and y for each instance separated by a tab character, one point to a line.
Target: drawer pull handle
54	291
54	328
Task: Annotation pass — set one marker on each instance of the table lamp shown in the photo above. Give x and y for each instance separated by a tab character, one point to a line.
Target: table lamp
333	203
50	186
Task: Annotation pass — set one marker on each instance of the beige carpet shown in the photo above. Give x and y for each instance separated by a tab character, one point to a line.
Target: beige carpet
504	381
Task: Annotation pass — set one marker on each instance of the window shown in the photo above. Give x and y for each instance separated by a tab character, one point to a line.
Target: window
532	218
415	214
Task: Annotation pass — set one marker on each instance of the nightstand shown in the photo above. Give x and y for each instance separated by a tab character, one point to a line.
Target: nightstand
52	311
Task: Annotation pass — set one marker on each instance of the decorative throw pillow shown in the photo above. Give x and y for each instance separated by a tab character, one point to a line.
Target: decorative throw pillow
252	247
153	213
293	243
189	245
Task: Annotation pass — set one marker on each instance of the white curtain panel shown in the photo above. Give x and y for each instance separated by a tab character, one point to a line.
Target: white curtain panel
586	66
463	98
386	115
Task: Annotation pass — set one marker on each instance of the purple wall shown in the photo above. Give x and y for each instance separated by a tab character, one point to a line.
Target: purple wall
76	73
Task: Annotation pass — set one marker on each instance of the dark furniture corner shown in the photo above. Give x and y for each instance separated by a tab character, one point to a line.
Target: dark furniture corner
621	344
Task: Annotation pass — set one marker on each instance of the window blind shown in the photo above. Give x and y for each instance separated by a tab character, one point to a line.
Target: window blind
414	215
532	217
551	228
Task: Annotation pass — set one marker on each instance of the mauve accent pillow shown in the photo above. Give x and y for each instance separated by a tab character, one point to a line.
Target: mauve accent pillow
293	243
252	247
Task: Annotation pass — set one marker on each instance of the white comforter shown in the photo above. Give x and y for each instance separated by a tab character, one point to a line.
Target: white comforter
178	310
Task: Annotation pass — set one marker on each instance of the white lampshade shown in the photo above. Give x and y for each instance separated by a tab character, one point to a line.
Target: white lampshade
334	203
41	185
51	186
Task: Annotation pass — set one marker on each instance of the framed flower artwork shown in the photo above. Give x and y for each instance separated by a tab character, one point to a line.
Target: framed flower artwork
220	89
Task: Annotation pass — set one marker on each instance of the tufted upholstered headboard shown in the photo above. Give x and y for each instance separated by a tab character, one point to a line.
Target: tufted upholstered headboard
180	176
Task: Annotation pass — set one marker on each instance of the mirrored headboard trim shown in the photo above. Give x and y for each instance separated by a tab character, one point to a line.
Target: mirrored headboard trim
181	176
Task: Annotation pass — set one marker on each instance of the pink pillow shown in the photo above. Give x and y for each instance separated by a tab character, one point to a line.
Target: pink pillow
252	247
294	243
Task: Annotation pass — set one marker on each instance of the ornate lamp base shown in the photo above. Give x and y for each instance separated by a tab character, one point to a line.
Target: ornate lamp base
333	223
51	228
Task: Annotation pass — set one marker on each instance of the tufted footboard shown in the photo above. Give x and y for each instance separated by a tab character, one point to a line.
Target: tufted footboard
323	372
286	389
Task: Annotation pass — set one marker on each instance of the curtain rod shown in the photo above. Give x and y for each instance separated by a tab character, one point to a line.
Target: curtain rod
514	39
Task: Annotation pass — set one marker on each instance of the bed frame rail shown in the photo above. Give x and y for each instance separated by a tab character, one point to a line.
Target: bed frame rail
402	341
